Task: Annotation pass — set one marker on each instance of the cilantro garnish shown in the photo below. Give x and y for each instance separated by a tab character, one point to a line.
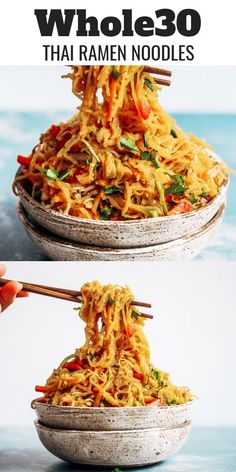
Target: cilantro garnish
104	214
156	373
135	315
150	156
148	84
173	133
53	174
116	73
128	144
192	199
178	188
111	190
145	140
110	300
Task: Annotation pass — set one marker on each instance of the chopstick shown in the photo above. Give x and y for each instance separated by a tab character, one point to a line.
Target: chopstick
157	71
65	294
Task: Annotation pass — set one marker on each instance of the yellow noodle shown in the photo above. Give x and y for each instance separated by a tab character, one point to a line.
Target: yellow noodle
113	367
177	173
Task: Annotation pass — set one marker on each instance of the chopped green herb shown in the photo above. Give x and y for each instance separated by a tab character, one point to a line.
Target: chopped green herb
173	133
135	315
150	156
203	195
87	162
148	84
90	356
161	191
116	73
156	373
128	144
145	140
178	188
145	155
52	174
192	199
153	213
111	190
178	178
65	175
104	214
110	300
154	162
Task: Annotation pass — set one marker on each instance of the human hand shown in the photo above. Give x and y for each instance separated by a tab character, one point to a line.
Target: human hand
9	291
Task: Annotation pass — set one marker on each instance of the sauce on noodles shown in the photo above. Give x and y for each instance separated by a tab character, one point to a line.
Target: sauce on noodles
122	156
113	367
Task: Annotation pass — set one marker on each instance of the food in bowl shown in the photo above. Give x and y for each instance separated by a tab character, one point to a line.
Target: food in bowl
123	158
113	367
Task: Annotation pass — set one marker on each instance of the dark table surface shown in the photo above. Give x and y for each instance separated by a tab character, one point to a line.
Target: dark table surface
19	132
207	450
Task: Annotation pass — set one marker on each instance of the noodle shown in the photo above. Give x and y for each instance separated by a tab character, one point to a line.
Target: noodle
113	366
122	158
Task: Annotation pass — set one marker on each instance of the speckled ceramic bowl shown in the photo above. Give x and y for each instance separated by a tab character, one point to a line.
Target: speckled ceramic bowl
129	448
120	234
109	419
60	249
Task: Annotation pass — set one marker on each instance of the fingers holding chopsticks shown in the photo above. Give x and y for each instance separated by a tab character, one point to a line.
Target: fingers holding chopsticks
9	291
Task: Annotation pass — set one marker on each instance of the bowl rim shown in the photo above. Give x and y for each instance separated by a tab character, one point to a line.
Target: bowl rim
62	242
108	432
110	409
103	223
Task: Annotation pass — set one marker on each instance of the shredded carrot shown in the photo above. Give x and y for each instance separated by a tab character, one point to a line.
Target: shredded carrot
40	388
125	145
112	98
98	398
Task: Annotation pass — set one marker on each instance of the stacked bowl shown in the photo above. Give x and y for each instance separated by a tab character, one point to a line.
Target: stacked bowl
63	237
109	437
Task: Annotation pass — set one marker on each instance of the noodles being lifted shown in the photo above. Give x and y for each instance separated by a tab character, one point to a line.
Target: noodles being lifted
113	367
122	158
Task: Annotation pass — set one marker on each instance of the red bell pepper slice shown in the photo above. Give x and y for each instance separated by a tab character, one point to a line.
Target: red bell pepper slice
138	376
74	148
54	130
40	388
144	109
23	160
73	365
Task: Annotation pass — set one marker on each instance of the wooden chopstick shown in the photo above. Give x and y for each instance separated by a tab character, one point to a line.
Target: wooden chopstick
167	83
157	71
40	290
65	294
